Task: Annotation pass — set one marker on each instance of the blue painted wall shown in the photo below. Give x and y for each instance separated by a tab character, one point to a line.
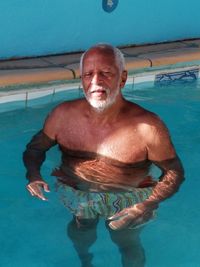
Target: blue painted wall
42	27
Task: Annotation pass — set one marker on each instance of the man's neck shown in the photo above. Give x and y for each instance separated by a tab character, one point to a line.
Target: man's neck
107	115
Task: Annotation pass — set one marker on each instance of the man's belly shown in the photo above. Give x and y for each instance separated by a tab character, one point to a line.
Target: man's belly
95	172
101	185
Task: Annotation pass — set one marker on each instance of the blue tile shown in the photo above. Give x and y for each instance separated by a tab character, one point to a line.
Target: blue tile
185	75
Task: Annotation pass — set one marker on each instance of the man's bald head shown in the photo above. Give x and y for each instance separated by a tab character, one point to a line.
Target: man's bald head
105	49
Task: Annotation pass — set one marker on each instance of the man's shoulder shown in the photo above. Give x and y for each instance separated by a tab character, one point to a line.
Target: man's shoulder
69	105
65	111
140	112
144	119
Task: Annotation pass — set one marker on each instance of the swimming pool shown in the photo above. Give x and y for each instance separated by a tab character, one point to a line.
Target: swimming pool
33	233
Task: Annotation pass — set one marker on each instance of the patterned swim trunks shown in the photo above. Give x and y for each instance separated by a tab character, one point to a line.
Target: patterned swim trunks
90	205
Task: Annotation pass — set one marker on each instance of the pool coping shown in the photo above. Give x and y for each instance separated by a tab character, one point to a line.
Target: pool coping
147	63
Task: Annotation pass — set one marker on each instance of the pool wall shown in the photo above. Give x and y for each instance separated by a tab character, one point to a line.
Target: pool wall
20	98
44	27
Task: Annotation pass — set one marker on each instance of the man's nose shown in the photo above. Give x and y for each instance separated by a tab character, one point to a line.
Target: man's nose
96	79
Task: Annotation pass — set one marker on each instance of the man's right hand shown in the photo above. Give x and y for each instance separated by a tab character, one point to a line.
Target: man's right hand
35	189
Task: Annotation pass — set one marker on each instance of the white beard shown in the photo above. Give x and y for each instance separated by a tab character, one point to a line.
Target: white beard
101	105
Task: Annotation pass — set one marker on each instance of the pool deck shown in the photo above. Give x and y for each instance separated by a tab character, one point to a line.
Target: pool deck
65	67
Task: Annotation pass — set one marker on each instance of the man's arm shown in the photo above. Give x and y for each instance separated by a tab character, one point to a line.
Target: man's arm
35	154
33	157
170	180
162	153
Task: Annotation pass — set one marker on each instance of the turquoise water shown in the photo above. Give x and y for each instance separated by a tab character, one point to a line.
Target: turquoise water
33	233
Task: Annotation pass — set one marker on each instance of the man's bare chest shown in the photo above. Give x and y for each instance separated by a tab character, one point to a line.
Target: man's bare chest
121	143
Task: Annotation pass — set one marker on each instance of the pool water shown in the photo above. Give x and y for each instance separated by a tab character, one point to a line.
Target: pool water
33	233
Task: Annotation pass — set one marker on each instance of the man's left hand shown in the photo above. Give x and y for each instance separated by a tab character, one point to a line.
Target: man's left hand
131	217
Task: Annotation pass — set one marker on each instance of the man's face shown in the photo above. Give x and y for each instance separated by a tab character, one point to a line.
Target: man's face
101	78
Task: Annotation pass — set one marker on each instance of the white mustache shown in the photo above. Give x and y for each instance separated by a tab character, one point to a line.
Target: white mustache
95	88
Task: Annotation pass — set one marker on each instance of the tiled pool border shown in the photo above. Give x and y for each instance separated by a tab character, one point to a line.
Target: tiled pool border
24	96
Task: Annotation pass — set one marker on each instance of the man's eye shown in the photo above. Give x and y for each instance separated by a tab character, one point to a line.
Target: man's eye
87	74
106	73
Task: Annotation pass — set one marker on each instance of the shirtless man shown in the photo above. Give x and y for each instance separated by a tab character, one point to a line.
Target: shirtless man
108	145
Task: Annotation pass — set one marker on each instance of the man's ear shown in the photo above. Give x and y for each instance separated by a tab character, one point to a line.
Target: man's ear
124	76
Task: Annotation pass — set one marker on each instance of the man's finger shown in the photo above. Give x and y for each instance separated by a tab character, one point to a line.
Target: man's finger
120	223
36	191
46	187
118	215
29	188
30	191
